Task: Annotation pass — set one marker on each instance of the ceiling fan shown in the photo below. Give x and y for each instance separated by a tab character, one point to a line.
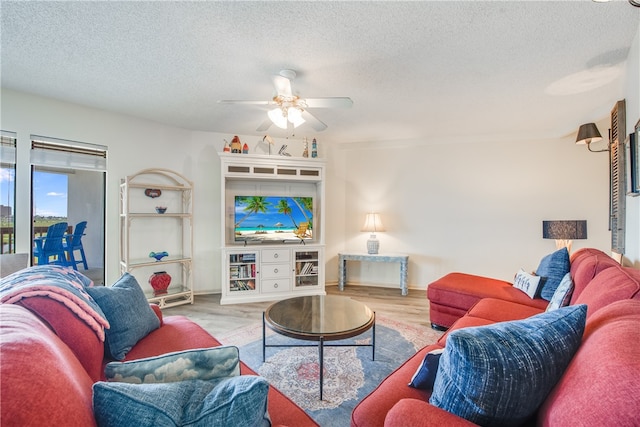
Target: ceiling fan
290	110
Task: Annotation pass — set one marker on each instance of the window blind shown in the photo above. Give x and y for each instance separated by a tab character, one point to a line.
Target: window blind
61	153
8	147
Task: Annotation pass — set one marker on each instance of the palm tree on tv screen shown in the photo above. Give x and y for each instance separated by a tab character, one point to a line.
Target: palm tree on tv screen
254	205
305	204
284	208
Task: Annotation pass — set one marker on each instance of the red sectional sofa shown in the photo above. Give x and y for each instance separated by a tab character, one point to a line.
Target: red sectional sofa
599	387
50	360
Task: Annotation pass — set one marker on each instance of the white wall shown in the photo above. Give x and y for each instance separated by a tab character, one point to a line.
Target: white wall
133	144
468	206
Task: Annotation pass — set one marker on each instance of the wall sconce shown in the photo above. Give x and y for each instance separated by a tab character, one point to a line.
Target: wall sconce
564	232
372	224
588	133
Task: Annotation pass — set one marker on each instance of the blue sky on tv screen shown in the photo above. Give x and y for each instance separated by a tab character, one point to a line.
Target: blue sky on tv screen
271	218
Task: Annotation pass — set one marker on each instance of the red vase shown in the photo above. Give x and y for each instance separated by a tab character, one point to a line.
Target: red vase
160	281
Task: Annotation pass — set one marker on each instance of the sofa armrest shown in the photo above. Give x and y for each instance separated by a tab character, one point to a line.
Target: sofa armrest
157	311
418	413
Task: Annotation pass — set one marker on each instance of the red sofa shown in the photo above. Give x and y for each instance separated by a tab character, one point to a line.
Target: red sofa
599	387
50	360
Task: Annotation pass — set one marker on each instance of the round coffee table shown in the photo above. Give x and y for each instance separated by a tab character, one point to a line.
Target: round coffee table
319	318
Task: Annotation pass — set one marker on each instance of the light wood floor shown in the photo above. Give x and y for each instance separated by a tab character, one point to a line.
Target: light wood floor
218	319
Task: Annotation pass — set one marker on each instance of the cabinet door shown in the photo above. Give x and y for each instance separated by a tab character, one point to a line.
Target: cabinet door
307	264
242	270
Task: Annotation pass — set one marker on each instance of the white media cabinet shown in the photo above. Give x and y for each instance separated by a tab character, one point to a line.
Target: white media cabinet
271	270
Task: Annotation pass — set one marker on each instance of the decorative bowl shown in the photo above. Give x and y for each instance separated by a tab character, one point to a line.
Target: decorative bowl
161	209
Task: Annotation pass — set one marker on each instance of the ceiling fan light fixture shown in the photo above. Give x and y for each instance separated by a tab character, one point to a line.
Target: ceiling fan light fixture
294	115
278	118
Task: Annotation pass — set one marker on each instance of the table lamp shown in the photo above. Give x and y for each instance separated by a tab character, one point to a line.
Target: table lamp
372	224
564	232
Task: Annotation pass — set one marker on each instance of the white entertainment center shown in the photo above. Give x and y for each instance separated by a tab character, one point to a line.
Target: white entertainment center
271	261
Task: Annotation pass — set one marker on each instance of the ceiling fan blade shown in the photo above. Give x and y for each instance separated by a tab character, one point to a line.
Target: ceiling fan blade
336	102
235	101
313	121
283	86
264	125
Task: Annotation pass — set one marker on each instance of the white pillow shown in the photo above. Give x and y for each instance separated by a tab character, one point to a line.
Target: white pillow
527	283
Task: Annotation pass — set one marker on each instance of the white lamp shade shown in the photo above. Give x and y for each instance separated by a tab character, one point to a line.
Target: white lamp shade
372	223
295	116
278	118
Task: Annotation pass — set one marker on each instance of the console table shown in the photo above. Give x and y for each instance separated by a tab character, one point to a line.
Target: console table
403	259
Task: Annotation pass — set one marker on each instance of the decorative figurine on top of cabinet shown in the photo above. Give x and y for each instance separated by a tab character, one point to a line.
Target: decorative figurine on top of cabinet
305	152
226	148
245	149
236	145
314	148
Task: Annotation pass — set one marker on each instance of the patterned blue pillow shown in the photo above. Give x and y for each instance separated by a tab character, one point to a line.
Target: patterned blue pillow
501	373
527	283
425	376
196	364
128	312
553	267
236	401
562	295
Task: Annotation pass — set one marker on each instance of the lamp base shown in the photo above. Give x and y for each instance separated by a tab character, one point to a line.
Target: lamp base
373	245
564	243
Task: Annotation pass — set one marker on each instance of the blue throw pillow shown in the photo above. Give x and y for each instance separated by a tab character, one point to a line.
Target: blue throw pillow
501	373
197	364
128	312
236	401
552	268
425	376
562	295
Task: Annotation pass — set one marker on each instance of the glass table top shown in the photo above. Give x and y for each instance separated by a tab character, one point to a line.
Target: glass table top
311	317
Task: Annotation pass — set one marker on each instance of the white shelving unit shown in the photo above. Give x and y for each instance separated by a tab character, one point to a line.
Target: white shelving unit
144	230
263	271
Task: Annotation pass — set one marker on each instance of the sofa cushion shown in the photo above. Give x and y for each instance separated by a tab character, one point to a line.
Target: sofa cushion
235	401
196	364
610	285
600	386
425	375
562	295
500	374
584	268
42	383
527	283
74	332
552	268
128	312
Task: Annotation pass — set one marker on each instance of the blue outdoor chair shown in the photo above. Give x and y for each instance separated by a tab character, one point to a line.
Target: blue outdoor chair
51	246
73	242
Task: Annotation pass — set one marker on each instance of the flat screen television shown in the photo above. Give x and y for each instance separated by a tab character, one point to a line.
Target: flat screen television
271	219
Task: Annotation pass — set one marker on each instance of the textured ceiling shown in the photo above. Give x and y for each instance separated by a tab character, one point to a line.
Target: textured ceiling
432	71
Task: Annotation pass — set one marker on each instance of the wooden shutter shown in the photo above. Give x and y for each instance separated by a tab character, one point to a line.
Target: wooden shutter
618	181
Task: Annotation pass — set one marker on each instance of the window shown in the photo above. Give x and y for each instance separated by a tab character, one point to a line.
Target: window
68	185
7	191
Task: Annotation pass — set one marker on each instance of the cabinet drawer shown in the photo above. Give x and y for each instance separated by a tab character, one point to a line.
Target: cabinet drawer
274	271
275	255
275	285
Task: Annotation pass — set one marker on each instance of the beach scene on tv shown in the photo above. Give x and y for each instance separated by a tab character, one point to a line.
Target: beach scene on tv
273	218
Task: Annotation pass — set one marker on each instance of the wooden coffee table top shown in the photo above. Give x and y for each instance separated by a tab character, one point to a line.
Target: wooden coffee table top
329	317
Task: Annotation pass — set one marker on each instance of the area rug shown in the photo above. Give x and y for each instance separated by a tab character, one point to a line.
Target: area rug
349	372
